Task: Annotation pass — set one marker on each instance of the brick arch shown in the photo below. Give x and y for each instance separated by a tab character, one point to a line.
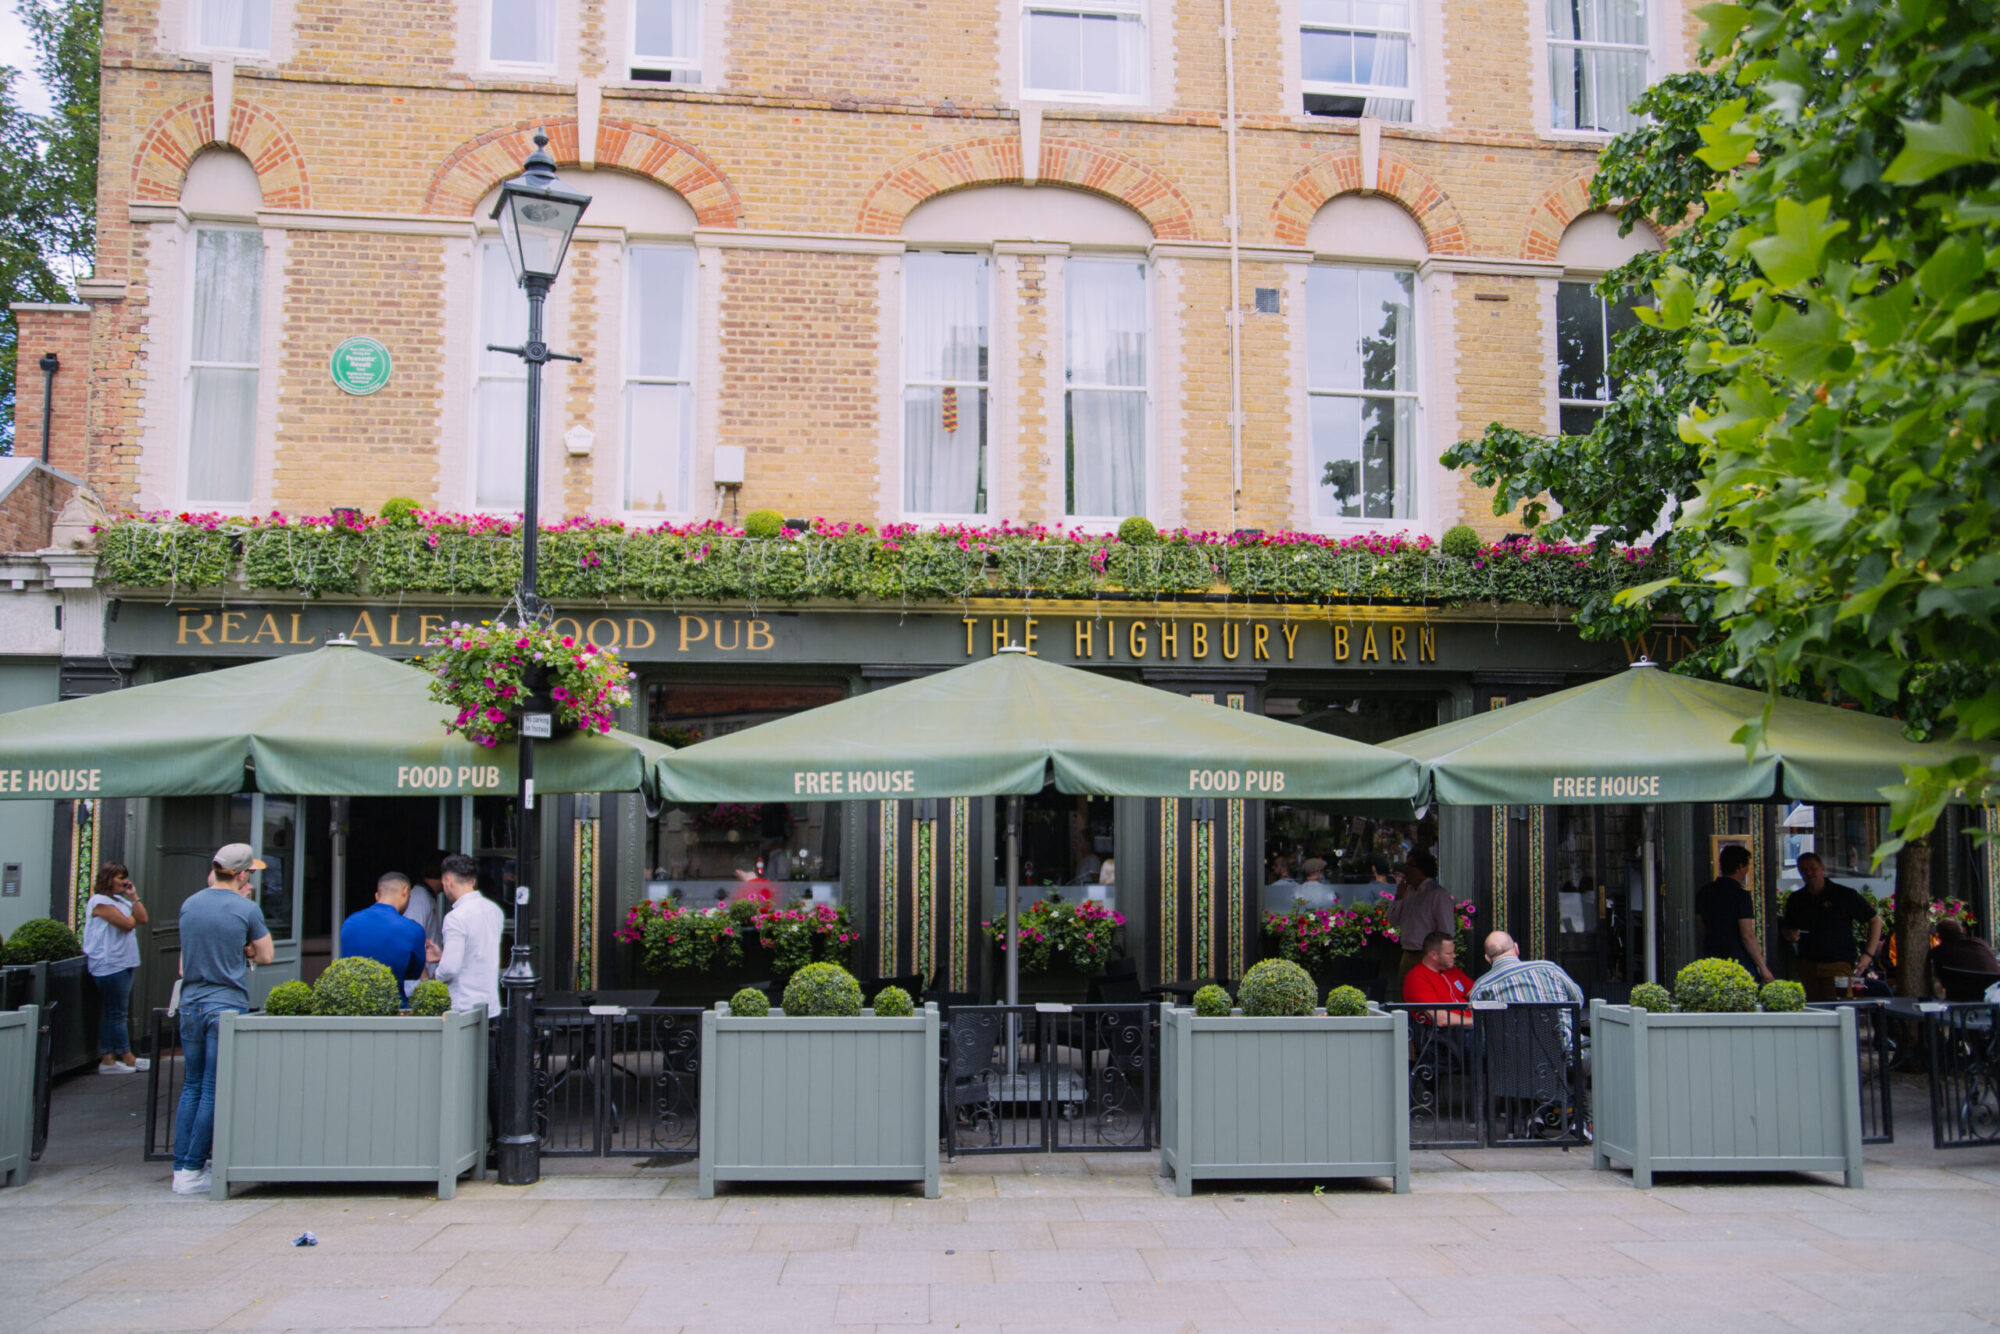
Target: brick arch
171	142
1396	178
998	162
478	165
1556	210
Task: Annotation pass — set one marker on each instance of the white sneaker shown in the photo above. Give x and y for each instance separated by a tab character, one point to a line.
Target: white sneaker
139	1063
115	1068
187	1181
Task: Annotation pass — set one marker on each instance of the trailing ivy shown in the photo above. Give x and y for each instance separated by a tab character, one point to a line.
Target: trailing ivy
594	561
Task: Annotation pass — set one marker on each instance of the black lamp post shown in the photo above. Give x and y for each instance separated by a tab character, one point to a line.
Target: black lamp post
537	217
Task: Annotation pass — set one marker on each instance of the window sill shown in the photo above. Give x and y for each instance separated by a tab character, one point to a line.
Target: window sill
1050	97
239	55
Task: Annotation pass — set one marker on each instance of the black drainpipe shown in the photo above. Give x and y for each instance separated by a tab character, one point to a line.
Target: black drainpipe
50	364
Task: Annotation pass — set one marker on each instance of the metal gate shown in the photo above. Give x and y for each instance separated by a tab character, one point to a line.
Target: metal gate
617	1081
1880	1055
163	1086
1491	1075
1963	1042
1050	1079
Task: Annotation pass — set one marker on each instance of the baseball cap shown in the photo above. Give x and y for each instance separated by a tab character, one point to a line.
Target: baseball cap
237	858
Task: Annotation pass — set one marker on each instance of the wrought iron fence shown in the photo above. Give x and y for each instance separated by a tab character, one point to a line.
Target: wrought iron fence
44	1070
163	1085
617	1081
1963	1042
1880	1054
1492	1075
1050	1078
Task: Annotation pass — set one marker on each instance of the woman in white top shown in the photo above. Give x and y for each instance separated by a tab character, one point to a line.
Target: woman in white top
111	951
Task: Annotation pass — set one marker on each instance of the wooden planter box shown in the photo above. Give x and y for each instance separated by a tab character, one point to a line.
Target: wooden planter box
1305	1098
1725	1092
796	1099
337	1099
19	1031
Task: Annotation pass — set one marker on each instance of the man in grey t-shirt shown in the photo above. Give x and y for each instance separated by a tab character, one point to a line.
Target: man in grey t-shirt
222	932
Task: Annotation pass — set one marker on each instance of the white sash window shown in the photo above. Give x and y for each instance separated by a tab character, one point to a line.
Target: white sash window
521	34
500	394
1586	327
1599	52
1354	58
1106	321
666	40
233	25
659	377
945	368
1361	378
1095	50
224	364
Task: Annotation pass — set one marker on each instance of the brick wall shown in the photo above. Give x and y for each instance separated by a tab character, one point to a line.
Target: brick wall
65	331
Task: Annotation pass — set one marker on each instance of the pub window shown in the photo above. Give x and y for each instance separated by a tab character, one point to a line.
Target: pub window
1095	50
666	41
1599	53
944	383
1361	378
521	34
1106	409
233	25
1354	58
659	377
1587	326
223	364
500	393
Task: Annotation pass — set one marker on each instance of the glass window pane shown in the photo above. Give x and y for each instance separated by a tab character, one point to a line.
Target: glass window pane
1577	419
1326	57
1109	55
944	446
944	321
1387	428
666	29
660	306
1622	21
243	25
228	294
1387	342
1105	301
1566	19
1333	357
1052	52
1336	457
222	434
659	424
503	311
500	443
1579	342
1107	452
520	32
279	854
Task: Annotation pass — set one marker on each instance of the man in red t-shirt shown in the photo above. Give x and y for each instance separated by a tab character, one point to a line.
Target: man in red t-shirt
1438	981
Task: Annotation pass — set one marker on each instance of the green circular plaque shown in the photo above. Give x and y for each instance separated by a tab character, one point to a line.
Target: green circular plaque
360	366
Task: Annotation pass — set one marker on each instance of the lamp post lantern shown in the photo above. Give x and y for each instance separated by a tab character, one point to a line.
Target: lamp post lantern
537	217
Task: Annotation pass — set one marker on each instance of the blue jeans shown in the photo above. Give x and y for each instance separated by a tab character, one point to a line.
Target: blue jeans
194	1121
113	1038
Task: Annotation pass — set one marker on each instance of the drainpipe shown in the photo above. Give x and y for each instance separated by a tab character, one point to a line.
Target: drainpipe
50	364
1234	225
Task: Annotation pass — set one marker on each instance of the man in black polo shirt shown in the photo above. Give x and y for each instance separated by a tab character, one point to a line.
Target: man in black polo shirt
1820	921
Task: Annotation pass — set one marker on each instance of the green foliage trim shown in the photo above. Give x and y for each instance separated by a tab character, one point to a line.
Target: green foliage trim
289	1000
1212	1002
893	1003
40	940
822	990
430	999
1348	1002
750	1003
1652	996
1782	997
1715	986
1277	987
357	987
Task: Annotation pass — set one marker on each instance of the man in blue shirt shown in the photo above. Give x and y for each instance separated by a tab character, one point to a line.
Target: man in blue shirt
381	932
222	934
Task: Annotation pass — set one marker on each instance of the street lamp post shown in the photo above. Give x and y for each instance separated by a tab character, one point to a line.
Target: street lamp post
537	217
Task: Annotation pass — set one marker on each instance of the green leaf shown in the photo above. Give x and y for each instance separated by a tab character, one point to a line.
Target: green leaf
1961	136
1809	344
1722	22
1796	253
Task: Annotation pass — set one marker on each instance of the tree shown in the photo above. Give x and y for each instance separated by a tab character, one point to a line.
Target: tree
48	174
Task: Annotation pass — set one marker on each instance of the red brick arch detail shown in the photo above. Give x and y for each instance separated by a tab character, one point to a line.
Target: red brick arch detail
1556	210
171	142
1396	178
998	162
478	165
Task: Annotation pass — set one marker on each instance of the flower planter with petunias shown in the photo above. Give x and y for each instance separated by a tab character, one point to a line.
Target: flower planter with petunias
492	673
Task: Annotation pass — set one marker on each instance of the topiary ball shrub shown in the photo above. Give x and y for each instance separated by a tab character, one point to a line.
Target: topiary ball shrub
1460	542
1137	530
289	1000
1212	1002
399	512
355	987
1350	1002
1783	997
764	525
431	999
1651	996
1715	986
41	940
822	990
750	1003
893	1003
1277	987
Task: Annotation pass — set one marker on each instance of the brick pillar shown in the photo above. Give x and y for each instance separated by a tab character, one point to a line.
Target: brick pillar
65	331
581	281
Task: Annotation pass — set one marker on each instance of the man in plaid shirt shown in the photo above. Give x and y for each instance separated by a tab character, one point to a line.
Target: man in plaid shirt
1515	980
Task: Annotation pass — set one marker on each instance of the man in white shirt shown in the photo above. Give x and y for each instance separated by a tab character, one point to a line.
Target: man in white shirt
469	961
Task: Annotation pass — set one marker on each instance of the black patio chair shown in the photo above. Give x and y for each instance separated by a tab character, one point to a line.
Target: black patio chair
1119	984
1528	1070
972	1040
1964	984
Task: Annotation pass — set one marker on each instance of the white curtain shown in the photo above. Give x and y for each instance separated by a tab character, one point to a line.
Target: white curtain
944	391
237	25
223	371
501	398
667	29
1105	301
1101	50
523	32
1593	87
659	395
1391	70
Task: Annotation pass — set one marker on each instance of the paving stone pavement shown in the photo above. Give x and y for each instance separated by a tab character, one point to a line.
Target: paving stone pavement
1516	1240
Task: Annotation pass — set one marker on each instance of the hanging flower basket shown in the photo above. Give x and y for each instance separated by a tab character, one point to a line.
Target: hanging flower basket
492	673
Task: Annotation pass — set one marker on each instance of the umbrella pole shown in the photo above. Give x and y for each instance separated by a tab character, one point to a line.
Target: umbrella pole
1013	931
1652	904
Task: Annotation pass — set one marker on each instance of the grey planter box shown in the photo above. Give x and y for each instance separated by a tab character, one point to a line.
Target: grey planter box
1725	1092
64	992
797	1099
335	1099
1313	1097
19	1031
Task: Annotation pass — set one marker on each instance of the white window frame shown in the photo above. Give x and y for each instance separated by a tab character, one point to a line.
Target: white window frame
517	370
1119	9
905	384
1149	271
1551	44
691	65
630	376
1419	457
1589	284
192	365
552	21
1410	92
195	13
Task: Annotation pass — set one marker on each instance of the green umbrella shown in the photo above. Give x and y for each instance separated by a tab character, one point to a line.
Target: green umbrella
338	722
1646	736
1010	723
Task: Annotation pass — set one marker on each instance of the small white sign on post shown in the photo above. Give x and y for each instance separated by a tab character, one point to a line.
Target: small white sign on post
537	725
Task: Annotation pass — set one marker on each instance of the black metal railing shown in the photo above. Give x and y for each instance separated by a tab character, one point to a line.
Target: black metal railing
1050	1078
1880	1054
44	1072
163	1085
1492	1076
616	1081
1963	1043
